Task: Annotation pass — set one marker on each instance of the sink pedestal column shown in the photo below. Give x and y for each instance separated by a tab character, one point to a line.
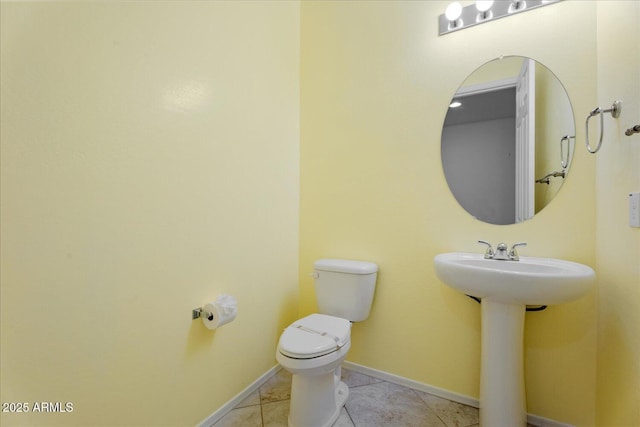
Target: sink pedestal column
502	397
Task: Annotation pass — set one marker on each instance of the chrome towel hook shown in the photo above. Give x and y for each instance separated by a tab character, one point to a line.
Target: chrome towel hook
615	110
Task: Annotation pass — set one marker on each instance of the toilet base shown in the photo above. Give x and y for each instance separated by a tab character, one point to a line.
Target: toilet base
316	401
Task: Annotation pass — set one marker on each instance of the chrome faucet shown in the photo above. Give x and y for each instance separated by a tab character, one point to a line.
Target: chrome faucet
501	252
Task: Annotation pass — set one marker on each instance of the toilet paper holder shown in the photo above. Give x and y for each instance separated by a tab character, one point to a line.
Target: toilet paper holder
196	313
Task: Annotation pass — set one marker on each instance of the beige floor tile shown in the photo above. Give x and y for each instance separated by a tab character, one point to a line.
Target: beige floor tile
452	413
253	399
385	404
250	416
344	420
275	414
355	379
276	388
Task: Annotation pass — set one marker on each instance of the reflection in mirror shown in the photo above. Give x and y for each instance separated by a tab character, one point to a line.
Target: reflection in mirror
507	140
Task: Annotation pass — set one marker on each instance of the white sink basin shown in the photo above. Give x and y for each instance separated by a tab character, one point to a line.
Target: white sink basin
530	281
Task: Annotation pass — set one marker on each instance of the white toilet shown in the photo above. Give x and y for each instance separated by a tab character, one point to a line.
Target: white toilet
313	348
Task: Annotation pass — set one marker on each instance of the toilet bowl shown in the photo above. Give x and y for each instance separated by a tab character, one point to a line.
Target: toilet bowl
313	349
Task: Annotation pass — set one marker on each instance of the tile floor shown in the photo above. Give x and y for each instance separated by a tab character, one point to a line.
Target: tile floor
372	402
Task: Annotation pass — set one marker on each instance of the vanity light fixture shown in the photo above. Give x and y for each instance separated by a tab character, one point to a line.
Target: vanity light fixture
457	17
455	104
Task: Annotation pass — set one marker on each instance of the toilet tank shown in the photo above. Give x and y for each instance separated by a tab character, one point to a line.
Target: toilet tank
345	288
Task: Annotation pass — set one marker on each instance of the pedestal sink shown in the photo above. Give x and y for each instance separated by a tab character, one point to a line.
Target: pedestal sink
506	288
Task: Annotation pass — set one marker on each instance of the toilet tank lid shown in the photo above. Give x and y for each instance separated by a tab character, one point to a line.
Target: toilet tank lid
345	266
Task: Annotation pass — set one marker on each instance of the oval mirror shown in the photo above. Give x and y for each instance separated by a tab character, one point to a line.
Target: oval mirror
507	140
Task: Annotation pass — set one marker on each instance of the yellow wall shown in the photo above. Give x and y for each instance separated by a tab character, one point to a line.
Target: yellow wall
150	155
618	245
376	81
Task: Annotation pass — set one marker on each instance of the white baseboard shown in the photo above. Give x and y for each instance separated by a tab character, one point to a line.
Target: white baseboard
534	420
538	421
224	409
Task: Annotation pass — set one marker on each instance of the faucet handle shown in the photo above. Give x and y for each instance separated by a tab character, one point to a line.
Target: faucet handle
489	253
513	254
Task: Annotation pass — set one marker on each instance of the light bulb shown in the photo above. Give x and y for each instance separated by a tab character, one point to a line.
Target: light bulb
455	104
483	5
484	10
453	12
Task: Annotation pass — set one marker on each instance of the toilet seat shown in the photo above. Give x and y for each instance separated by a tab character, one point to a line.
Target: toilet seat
314	336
